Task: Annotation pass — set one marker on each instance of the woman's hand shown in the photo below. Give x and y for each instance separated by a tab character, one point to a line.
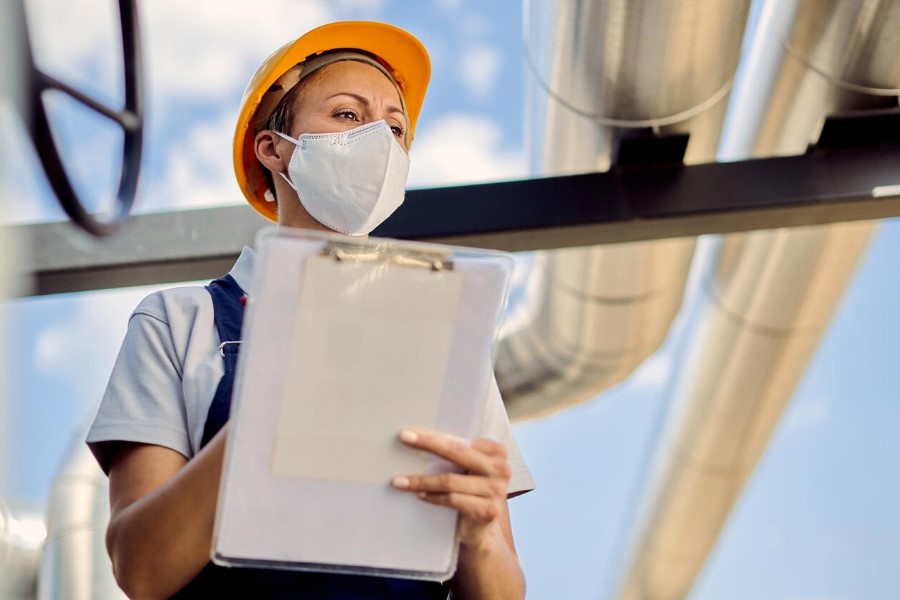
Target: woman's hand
479	494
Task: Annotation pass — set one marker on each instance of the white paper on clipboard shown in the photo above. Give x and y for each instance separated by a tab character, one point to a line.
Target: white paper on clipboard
338	357
396	344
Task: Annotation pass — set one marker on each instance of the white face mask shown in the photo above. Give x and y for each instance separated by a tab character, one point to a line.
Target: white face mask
349	181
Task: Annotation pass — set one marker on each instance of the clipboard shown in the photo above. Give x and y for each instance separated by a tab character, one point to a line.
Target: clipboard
346	342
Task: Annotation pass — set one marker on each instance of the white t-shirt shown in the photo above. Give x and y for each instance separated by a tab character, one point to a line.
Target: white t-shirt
169	367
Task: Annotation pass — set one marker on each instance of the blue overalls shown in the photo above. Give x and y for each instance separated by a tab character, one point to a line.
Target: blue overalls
222	582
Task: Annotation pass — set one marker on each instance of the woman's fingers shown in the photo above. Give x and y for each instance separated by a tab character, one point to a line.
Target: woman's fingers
474	508
477	515
479	494
481	456
456	483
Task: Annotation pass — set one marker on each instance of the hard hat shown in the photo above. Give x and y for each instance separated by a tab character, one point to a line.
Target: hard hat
401	54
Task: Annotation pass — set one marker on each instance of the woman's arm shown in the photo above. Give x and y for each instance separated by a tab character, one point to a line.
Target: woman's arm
490	570
488	565
162	513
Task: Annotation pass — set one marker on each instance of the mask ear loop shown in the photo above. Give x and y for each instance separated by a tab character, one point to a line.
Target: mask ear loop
290	183
296	143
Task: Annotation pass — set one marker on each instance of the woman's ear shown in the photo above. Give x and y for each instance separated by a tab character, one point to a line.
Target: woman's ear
268	150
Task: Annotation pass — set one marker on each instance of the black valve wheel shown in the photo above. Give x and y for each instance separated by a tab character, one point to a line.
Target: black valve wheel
130	118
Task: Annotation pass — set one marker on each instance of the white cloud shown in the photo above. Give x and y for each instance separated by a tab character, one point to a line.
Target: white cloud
653	374
805	414
198	50
199	169
355	7
79	44
23	191
478	70
219	49
449	6
524	296
475	25
83	348
49	349
463	148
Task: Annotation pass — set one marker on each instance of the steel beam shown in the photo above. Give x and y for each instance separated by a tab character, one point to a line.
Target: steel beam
622	205
152	249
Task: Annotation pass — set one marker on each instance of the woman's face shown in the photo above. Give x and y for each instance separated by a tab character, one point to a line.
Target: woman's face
339	97
345	95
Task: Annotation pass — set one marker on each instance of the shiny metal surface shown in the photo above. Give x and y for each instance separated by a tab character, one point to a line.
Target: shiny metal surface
851	44
13	55
773	293
12	99
768	304
624	63
22	529
599	313
22	534
811	58
601	71
75	565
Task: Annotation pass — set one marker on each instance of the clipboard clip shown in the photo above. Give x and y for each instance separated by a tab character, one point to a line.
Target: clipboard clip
420	259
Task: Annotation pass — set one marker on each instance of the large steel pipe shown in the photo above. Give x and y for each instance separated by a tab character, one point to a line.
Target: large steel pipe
767	306
22	534
75	565
602	71
773	293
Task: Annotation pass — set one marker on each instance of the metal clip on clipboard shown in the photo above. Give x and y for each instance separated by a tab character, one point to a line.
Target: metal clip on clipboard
436	260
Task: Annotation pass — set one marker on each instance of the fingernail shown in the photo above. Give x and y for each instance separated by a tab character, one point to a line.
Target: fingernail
401	483
409	436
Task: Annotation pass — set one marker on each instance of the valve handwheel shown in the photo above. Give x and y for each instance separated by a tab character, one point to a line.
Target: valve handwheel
130	118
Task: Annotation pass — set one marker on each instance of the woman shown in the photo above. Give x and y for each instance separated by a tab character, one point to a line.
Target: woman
316	117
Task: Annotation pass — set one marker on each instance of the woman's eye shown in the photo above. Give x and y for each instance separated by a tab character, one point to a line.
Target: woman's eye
346	114
397	130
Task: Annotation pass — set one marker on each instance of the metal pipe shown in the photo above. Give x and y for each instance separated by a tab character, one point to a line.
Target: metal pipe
773	293
602	71
767	306
12	102
22	529
75	564
22	534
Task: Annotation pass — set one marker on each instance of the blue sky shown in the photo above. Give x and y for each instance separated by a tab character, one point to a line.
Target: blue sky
818	519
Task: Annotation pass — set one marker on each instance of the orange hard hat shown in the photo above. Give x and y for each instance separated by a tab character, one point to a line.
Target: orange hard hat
398	51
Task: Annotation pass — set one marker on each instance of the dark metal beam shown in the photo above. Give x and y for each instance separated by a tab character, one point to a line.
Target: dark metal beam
152	249
625	205
622	205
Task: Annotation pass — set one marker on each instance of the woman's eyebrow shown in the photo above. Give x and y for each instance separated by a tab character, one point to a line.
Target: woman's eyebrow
362	99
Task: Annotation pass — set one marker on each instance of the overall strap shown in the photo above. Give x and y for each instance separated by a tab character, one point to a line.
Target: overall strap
228	309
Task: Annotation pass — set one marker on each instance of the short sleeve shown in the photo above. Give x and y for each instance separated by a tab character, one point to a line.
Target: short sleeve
143	401
495	426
